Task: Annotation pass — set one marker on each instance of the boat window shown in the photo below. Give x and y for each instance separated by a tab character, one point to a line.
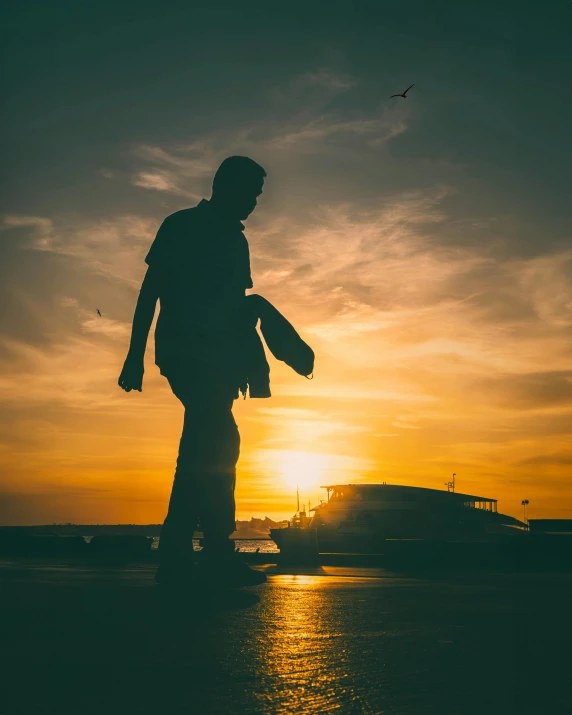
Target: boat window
483	505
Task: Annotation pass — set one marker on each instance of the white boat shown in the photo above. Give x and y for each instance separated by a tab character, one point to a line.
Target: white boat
362	518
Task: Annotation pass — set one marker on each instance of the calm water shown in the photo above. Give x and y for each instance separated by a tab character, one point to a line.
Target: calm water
265	546
102	641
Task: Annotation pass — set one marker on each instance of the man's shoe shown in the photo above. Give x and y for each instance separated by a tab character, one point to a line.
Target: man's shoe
231	572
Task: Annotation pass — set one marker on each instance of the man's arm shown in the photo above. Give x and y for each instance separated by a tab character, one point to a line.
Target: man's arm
144	314
131	377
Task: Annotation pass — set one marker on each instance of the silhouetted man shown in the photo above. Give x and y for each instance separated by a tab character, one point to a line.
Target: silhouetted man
199	269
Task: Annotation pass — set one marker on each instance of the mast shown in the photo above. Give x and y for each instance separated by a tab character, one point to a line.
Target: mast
297	499
451	485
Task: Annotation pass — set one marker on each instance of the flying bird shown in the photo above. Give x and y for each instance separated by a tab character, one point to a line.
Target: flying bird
98	313
404	95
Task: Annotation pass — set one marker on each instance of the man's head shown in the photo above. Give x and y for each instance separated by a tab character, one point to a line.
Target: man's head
237	184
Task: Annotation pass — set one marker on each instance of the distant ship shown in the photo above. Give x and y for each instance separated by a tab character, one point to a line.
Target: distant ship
361	518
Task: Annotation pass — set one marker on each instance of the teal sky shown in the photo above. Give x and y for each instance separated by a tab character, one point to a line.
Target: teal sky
434	232
88	82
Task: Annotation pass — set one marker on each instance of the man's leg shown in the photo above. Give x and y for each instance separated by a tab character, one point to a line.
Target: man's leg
217	506
205	480
218	478
203	488
176	542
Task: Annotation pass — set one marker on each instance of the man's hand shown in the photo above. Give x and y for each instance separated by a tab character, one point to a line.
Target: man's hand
131	377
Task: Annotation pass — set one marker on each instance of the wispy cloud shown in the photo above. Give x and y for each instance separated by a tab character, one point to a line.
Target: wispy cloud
324	77
304	427
186	170
110	247
315	136
91	322
177	171
158	180
556	459
311	91
305	124
42	227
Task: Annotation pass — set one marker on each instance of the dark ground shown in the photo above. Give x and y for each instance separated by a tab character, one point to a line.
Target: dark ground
345	640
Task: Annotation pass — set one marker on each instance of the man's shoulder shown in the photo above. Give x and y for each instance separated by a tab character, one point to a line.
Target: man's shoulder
181	226
184	216
175	235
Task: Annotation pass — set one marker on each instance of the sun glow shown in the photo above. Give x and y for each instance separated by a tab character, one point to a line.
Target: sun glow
304	470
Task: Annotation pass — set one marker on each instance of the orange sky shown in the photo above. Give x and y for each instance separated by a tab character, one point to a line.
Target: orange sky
422	247
437	359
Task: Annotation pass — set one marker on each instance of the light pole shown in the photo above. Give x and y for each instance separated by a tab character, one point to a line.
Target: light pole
524	503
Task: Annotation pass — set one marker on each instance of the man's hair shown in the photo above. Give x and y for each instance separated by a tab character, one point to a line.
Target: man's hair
237	169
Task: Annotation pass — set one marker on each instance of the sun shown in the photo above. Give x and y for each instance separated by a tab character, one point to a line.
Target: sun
302	470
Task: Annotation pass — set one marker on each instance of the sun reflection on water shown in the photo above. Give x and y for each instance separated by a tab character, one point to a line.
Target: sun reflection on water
305	653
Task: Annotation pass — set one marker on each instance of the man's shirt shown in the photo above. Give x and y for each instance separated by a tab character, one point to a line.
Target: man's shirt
203	267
